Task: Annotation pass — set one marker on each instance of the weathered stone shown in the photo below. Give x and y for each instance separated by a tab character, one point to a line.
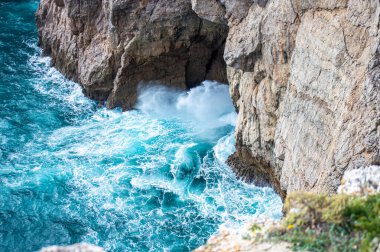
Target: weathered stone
81	247
328	121
302	6
246	238
60	3
304	77
212	10
362	181
110	46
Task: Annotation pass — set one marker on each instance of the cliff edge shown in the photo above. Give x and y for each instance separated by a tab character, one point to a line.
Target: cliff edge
305	78
112	46
304	75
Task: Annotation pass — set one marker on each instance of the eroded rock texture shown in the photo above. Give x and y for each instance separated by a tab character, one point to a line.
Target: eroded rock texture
304	74
110	46
305	78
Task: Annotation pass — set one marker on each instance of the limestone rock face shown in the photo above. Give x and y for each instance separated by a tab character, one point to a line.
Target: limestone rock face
305	78
363	181
304	75
111	46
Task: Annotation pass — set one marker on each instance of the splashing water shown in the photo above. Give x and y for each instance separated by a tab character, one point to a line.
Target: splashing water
152	179
208	106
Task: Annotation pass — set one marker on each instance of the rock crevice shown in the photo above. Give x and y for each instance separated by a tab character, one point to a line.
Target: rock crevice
110	46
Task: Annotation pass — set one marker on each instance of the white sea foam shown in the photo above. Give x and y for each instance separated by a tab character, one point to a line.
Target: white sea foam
225	147
52	83
135	181
208	105
161	167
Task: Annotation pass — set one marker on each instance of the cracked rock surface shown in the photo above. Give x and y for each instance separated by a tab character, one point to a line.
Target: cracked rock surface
304	75
305	78
112	46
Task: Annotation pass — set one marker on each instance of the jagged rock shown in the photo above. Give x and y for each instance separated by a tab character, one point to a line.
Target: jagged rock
111	46
212	10
305	78
304	75
362	181
253	236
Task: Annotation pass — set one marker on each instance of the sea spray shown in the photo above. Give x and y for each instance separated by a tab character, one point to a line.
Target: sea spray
151	179
206	106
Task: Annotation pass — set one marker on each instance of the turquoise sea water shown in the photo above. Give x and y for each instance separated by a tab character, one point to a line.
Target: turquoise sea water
152	179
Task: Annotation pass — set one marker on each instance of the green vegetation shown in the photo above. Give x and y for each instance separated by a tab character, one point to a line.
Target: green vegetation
338	223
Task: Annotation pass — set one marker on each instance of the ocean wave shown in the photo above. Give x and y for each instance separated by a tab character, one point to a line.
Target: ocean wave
151	179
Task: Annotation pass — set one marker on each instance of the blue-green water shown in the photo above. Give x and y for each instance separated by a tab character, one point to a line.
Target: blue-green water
152	179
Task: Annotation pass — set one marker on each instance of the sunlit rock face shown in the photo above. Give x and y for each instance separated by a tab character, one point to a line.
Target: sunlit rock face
361	181
304	76
110	46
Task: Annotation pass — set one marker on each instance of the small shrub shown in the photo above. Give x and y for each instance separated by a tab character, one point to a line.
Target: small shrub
255	228
363	216
338	223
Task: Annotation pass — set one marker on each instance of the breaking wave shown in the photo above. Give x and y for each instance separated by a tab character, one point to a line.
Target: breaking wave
151	179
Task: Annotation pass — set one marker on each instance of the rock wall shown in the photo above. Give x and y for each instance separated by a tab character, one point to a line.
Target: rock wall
110	46
305	78
304	74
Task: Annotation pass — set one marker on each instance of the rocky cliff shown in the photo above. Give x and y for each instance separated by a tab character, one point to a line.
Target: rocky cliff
112	46
305	78
304	75
347	221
